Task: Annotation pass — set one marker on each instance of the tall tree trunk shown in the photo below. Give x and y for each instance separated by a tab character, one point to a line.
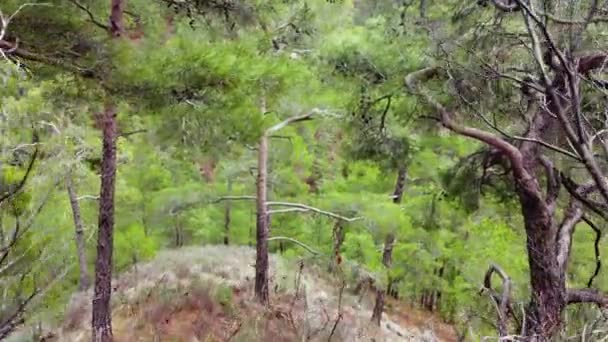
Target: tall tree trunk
102	318
101	321
387	260
261	263
227	216
85	280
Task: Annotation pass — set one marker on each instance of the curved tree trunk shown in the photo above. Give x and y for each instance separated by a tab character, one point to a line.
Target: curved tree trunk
85	280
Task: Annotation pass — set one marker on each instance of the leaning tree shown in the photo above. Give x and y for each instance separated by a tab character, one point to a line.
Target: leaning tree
526	80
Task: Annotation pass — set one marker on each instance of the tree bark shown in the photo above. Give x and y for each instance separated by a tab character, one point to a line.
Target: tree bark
101	321
400	185
102	318
338	237
387	260
227	209
261	264
85	280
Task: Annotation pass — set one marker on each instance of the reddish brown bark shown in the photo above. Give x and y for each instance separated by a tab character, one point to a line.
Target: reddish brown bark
101	321
102	318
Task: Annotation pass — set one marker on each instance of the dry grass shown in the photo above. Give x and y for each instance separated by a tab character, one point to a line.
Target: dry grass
206	294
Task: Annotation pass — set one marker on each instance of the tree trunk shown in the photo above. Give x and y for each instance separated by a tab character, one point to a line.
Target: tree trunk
338	238
227	216
102	318
548	283
387	260
101	321
378	307
85	280
261	263
400	185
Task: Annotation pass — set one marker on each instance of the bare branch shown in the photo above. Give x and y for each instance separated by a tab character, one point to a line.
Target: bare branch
91	16
596	246
502	302
301	244
573	215
291	120
88	197
305	208
575	296
15	189
233	198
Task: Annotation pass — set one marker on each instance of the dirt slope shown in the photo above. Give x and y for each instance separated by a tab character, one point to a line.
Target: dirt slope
206	294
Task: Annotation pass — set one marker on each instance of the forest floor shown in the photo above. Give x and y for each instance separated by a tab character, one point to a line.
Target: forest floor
206	294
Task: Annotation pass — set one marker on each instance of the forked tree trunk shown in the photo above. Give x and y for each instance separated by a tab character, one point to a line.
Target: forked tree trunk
387	260
261	263
85	280
227	209
102	318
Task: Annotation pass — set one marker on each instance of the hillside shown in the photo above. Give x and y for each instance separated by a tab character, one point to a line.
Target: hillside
206	294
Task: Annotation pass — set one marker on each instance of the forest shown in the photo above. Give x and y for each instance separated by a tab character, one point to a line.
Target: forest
303	170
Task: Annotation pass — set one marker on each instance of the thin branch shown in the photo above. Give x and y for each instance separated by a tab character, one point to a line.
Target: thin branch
596	246
301	244
126	134
303	207
13	190
91	16
88	197
234	198
293	119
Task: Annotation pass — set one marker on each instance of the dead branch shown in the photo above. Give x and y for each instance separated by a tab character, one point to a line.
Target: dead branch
92	18
233	198
502	302
572	217
587	295
301	244
580	192
293	119
596	245
340	314
13	190
305	208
